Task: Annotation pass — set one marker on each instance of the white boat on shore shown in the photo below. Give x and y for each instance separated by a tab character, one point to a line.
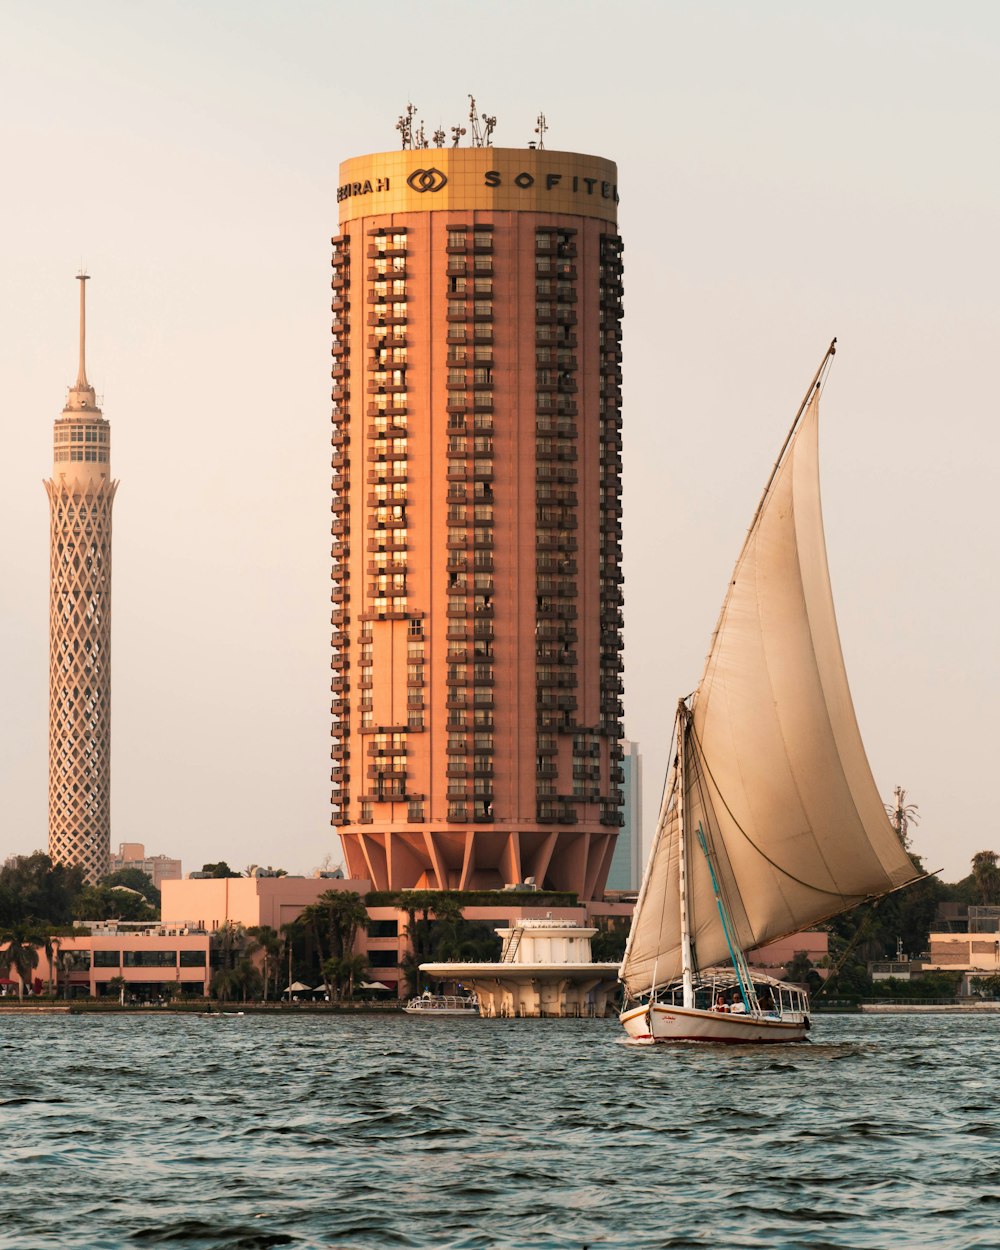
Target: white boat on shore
771	821
434	1005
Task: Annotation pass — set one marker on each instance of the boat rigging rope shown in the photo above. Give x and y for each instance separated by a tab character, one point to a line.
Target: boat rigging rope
844	898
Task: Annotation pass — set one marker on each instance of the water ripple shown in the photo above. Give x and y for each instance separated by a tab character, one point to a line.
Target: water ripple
368	1133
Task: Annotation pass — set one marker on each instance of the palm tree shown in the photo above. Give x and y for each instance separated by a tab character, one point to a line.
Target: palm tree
226	983
20	953
445	909
250	978
349	968
230	938
67	962
290	932
51	942
118	983
335	919
901	815
987	877
266	942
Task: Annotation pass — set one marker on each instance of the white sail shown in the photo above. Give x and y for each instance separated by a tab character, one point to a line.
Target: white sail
777	776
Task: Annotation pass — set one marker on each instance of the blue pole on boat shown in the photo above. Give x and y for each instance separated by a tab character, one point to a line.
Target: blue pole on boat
722	917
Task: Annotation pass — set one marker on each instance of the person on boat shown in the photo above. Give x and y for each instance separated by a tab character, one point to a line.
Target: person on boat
737	1004
720	1003
766	1001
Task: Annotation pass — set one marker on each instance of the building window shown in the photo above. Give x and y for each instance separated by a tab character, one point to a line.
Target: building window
383	928
107	959
192	959
150	959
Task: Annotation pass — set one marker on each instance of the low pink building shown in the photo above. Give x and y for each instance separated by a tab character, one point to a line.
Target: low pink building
147	959
210	902
772	958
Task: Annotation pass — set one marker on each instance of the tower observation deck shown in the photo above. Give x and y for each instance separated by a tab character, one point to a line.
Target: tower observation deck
81	494
477	585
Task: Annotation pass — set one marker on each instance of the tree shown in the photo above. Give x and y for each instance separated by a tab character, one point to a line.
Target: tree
343	973
266	942
608	946
295	936
229	940
117	986
986	877
221	869
35	891
226	983
135	879
798	968
20	953
50	944
250	979
988	986
445	909
334	920
901	815
112	902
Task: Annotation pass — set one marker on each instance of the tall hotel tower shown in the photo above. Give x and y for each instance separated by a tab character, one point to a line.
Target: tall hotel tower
477	586
80	493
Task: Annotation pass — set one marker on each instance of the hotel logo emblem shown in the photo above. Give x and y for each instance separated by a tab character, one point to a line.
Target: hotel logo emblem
422	180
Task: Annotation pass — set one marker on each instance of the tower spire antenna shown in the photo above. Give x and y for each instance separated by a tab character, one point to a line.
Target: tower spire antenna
81	378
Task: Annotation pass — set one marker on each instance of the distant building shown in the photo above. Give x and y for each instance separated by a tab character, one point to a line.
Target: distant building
159	868
896	969
975	954
628	862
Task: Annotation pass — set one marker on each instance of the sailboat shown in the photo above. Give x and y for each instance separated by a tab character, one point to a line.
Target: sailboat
770	820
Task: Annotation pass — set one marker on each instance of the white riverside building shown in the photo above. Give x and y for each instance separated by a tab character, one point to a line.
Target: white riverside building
545	969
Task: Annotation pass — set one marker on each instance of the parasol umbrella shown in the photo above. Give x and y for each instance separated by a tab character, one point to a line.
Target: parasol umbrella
297	987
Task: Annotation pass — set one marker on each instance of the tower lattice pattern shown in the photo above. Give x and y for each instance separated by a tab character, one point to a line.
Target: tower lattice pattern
80	673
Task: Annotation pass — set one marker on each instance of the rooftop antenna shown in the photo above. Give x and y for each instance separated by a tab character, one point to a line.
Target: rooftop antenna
420	139
477	134
405	125
439	137
480	134
81	378
541	125
456	134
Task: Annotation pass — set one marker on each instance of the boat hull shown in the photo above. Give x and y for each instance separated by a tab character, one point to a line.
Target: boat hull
662	1023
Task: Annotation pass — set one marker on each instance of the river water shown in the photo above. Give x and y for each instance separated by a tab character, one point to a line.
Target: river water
244	1133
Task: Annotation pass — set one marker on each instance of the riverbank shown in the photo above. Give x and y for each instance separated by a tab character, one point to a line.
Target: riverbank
96	1006
972	1008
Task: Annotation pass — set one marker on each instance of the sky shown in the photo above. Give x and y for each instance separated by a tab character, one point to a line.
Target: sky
787	173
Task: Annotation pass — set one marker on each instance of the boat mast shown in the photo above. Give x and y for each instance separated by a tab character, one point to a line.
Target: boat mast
817	381
687	959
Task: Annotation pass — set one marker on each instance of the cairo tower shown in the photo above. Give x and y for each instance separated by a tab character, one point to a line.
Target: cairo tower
81	494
